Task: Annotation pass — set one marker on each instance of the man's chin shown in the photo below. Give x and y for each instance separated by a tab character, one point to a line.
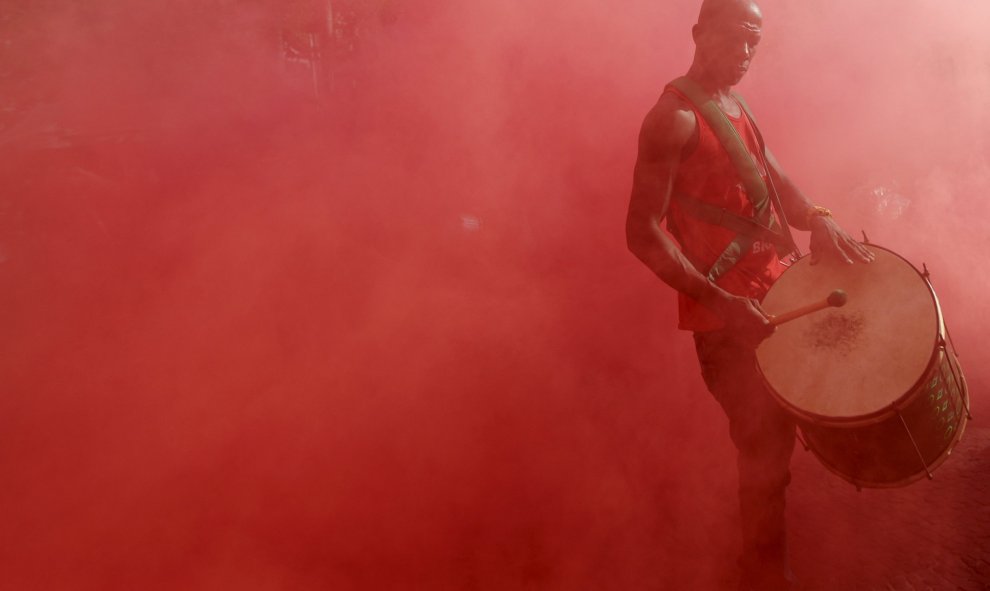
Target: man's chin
735	77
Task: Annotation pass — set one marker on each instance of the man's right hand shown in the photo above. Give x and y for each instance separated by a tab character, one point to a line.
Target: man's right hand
742	315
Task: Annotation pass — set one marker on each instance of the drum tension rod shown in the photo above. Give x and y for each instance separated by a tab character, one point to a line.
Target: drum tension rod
915	444
800	437
866	239
925	273
949	349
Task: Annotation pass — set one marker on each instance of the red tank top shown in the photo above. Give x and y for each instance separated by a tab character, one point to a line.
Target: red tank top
707	174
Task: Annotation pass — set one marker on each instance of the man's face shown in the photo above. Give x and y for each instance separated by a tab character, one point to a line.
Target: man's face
726	44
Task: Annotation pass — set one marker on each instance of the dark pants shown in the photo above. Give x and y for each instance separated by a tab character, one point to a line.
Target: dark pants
764	437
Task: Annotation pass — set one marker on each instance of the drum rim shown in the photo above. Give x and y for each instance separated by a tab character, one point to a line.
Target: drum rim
892	408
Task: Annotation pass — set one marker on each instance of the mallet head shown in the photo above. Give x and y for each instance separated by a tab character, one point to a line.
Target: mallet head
837	298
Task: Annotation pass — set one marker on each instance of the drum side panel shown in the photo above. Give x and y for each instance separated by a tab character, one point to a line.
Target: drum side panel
867	456
856	360
904	447
939	411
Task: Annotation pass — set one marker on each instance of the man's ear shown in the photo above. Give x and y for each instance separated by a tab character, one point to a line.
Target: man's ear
695	33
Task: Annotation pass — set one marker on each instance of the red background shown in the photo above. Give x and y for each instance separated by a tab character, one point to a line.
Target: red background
390	337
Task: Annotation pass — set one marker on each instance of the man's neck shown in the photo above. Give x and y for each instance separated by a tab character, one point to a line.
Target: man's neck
706	81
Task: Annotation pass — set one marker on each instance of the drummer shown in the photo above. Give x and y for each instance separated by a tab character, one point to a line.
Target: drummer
684	173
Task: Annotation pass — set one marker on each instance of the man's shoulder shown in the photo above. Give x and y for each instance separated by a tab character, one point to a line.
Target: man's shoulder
671	105
671	117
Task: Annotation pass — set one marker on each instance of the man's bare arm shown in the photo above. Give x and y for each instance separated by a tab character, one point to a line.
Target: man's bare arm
665	132
796	204
826	235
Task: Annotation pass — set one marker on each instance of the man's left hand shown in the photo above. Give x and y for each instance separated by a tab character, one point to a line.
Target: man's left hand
830	240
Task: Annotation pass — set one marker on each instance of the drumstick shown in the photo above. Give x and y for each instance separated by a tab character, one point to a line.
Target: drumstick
836	299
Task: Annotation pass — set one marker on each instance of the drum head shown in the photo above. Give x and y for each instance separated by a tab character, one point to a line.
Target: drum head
857	360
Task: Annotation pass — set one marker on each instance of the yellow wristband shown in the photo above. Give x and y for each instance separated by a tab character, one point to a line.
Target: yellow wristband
816	210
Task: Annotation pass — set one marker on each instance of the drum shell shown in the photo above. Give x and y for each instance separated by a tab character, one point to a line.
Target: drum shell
906	443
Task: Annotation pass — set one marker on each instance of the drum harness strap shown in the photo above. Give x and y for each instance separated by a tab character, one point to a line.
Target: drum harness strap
762	226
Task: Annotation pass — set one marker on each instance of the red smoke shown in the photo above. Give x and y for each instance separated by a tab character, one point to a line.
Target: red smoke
390	337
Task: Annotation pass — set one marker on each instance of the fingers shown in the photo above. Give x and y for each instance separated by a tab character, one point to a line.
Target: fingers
831	239
854	250
765	328
862	253
839	251
748	317
843	248
759	308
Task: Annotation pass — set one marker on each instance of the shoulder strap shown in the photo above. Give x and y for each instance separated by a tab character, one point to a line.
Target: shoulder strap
749	173
742	160
720	216
791	245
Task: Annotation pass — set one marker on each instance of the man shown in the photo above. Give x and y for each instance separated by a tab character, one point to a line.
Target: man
703	168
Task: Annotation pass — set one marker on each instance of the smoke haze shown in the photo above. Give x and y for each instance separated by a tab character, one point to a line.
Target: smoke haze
381	330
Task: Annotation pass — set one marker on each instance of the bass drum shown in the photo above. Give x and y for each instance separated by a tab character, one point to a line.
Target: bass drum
875	385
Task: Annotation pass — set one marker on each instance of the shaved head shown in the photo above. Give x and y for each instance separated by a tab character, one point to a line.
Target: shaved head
717	10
